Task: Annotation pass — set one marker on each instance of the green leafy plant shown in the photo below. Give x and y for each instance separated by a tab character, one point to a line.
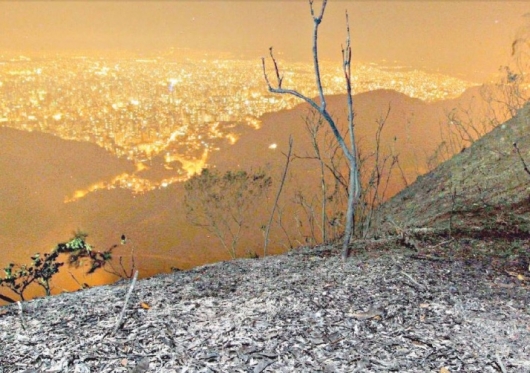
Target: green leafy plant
43	267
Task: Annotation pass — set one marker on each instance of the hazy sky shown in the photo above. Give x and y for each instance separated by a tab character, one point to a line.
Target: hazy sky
454	36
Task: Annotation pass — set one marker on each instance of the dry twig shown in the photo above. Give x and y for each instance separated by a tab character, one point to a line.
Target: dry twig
22	322
120	318
499	363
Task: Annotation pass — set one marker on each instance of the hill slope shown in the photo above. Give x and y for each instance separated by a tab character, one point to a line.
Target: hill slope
308	310
38	171
412	123
303	312
485	186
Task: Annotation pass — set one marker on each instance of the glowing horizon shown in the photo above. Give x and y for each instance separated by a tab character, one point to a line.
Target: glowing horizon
469	39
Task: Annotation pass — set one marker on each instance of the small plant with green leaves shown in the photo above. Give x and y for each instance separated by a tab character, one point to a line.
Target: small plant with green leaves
43	267
18	278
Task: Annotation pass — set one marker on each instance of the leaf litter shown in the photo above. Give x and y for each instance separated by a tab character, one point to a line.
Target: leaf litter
306	311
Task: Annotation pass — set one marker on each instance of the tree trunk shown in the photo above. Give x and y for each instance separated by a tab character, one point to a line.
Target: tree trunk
350	213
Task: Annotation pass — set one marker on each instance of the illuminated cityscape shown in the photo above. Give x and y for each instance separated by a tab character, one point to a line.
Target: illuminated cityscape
174	111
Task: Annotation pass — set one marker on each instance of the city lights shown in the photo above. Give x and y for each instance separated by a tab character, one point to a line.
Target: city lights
175	112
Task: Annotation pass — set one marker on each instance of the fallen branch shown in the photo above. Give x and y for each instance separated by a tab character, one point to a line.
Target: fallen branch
500	364
120	318
442	243
404	236
22	322
370	314
411	279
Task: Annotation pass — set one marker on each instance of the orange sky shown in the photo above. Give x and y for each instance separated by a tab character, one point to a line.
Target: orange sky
454	36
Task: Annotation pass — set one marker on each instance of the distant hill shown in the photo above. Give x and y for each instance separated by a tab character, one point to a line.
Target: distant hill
413	130
38	171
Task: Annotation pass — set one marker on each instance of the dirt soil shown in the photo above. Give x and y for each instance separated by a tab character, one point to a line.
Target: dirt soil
440	309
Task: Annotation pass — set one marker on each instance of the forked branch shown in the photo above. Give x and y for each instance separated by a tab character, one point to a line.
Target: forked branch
350	152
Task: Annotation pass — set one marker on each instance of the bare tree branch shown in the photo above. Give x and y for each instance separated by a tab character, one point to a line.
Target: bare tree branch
350	151
287	161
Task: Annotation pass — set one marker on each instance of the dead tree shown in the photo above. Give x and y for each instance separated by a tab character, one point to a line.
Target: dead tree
223	204
350	152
